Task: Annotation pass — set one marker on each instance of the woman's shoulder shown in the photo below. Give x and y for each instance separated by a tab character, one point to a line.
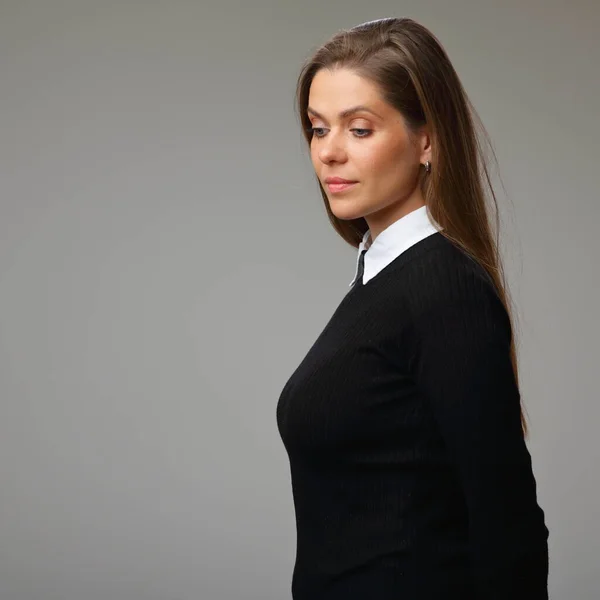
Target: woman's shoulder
442	276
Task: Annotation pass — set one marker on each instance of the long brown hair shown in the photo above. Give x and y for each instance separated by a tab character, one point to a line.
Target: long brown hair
414	74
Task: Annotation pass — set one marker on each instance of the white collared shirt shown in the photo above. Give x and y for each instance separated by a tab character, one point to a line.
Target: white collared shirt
393	241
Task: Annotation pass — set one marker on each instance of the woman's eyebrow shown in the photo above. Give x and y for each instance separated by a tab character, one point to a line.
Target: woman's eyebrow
345	113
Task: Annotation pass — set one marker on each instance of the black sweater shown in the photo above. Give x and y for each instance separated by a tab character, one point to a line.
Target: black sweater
410	474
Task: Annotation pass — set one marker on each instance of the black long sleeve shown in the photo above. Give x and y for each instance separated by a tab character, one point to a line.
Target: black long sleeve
410	474
458	336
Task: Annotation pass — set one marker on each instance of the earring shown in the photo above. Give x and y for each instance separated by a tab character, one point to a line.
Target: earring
428	167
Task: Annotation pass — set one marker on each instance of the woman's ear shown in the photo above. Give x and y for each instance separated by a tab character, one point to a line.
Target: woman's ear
424	144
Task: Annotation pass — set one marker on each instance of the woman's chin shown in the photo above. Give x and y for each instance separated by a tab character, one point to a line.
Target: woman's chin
346	211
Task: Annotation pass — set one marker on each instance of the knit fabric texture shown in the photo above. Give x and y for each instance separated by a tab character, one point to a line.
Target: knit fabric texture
410	474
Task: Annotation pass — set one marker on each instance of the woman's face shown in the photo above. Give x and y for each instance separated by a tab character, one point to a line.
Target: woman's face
374	149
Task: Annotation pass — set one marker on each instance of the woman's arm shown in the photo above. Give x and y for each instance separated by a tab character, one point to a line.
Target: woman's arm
459	340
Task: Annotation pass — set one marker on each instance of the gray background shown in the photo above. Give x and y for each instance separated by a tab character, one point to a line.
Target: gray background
166	261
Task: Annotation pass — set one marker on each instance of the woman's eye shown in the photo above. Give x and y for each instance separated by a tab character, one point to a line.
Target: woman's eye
360	132
315	130
368	131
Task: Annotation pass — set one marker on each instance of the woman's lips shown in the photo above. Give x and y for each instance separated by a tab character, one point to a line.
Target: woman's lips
340	187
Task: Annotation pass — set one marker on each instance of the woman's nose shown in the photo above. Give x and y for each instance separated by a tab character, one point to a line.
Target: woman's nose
332	148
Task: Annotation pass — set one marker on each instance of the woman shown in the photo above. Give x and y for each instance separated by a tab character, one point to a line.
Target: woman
403	424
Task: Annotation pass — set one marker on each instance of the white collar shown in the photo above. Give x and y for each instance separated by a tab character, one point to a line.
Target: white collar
393	241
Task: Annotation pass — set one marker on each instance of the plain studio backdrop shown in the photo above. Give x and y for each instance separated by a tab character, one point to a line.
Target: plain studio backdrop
166	261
